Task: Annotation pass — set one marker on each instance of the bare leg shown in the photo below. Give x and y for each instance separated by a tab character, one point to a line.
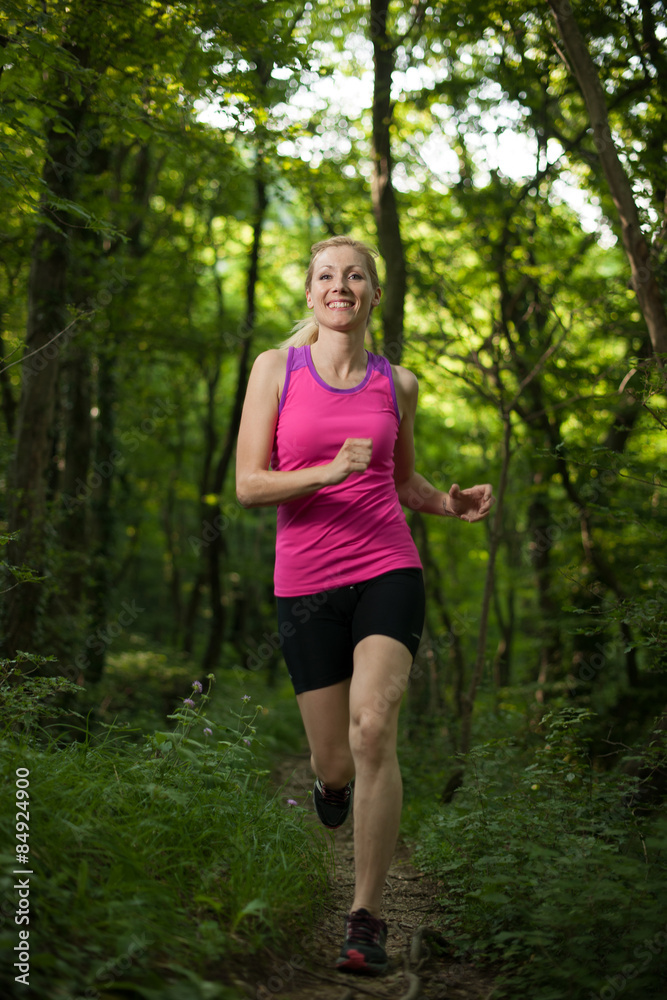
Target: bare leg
381	669
326	719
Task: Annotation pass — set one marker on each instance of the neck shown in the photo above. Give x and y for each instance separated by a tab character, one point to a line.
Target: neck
342	353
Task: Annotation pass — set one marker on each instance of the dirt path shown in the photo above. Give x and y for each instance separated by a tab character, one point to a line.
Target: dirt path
420	967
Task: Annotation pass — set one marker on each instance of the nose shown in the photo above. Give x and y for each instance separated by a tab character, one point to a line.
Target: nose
340	282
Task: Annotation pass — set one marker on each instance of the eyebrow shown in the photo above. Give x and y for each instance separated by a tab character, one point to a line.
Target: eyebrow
348	267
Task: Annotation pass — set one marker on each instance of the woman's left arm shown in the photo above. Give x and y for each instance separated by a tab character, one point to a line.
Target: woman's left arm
413	490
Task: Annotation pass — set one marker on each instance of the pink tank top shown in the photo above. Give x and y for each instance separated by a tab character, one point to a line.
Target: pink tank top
355	530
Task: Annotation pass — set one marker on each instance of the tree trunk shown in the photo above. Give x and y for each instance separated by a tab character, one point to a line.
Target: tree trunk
216	547
540	521
502	661
172	552
102	514
7	400
385	209
636	247
468	701
442	640
192	610
47	317
103	618
78	444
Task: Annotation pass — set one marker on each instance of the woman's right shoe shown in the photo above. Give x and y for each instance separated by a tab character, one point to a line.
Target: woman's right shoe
363	952
332	805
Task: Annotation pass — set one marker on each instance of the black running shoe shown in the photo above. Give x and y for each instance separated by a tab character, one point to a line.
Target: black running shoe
364	950
332	804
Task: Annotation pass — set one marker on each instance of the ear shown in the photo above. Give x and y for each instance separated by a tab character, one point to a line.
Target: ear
377	295
309	299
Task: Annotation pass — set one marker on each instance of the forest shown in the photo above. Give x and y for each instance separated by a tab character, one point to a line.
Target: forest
165	169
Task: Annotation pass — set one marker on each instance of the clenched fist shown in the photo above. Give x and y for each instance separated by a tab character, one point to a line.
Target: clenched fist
354	456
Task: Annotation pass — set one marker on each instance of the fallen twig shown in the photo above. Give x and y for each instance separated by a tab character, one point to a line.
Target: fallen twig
414	986
408	878
337	982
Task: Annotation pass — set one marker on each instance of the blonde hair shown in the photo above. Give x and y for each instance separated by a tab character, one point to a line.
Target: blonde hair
306	330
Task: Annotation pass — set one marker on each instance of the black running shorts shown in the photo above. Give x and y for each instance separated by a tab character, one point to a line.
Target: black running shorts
319	631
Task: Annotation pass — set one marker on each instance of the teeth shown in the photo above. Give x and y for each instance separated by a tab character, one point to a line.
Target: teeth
339	305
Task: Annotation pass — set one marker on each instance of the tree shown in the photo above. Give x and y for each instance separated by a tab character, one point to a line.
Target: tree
47	322
385	209
103	130
643	277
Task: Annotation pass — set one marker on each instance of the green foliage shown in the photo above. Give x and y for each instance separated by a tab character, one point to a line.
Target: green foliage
158	121
155	860
547	871
27	700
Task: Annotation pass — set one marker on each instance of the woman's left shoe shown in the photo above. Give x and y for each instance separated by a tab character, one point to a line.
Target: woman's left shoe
364	952
332	804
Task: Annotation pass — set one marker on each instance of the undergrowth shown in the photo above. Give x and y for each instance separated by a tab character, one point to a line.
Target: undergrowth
158	858
550	873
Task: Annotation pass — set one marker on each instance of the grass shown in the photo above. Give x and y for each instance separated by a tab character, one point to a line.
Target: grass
548	872
161	858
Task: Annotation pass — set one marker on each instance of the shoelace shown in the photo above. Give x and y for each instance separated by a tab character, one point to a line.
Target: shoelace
337	796
363	927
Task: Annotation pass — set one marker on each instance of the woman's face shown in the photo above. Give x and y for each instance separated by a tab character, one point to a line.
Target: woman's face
341	293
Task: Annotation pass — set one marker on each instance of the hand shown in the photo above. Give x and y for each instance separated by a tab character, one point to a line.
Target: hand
469	505
354	456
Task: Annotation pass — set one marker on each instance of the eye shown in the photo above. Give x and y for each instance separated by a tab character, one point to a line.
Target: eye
324	277
356	274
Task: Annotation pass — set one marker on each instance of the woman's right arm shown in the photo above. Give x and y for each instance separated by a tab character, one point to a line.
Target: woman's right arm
256	484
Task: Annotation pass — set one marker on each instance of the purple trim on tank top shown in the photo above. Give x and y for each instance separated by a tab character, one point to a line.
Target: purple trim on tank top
288	372
325	385
388	373
295	360
299	357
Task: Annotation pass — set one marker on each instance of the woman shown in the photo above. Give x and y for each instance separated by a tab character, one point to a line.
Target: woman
327	435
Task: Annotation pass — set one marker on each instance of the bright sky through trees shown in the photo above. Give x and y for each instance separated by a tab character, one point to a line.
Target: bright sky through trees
346	95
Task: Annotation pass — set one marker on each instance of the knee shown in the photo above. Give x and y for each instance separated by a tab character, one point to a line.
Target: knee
372	737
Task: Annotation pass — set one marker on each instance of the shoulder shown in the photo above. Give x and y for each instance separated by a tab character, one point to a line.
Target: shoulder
407	389
405	380
267	377
271	362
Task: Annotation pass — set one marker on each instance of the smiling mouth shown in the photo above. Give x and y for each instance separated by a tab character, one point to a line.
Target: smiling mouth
340	305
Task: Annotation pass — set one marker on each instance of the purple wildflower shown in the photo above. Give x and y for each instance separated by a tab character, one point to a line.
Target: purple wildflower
189	702
246	697
292	802
247	743
208	732
197	686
